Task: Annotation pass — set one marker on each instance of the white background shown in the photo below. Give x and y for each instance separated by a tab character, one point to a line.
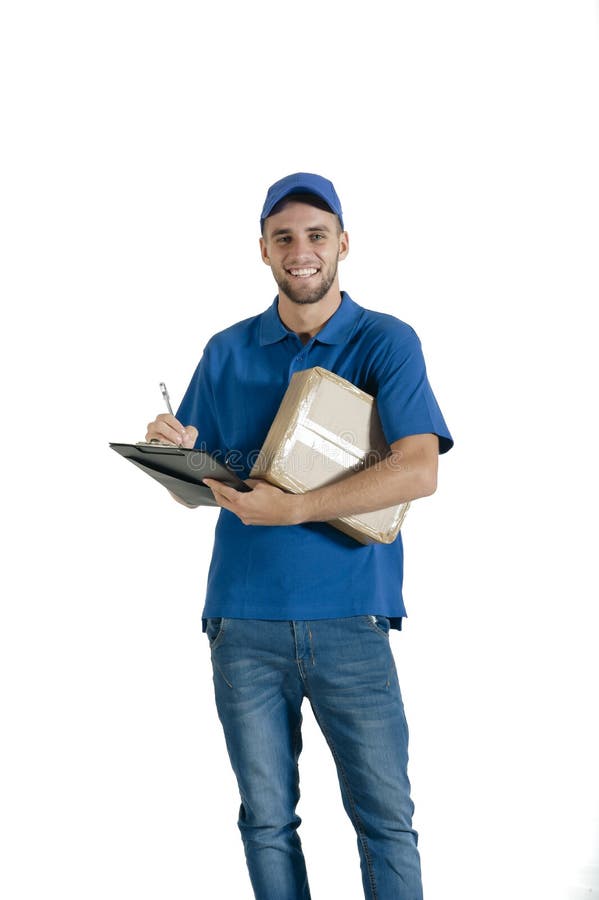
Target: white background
138	143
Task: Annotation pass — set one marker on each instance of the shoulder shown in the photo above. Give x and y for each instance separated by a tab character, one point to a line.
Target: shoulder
233	333
388	349
384	330
232	338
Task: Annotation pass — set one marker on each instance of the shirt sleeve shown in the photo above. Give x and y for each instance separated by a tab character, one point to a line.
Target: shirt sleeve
405	400
198	407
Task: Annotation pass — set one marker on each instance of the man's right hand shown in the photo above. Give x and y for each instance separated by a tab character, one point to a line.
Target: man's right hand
166	428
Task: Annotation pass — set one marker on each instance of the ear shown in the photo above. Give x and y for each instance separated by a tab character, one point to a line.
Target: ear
264	252
343	244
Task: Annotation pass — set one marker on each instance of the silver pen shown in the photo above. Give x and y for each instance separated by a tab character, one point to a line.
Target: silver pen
167	399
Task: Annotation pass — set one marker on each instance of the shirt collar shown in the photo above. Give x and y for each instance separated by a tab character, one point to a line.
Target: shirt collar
336	331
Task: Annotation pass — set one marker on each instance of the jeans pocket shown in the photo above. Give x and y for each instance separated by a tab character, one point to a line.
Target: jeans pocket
214	631
380	624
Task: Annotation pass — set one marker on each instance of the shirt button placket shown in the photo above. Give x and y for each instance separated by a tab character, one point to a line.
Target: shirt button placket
297	363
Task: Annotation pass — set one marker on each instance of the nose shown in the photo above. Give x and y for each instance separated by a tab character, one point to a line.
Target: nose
302	250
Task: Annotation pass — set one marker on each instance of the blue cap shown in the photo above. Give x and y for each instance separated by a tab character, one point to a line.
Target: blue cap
302	183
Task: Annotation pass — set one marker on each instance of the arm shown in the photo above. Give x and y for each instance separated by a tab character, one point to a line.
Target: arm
409	472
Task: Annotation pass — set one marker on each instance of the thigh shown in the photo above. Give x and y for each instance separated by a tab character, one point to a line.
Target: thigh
258	695
355	693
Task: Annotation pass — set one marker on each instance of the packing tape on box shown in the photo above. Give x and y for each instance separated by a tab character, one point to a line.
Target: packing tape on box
335	442
332	447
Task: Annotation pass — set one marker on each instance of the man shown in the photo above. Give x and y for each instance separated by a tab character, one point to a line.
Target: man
295	608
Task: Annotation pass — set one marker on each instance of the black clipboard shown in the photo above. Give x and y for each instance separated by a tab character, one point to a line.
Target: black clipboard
181	470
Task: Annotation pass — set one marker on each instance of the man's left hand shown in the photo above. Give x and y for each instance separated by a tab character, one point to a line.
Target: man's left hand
265	504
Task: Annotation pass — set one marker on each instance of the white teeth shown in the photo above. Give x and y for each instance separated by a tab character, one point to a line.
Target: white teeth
302	273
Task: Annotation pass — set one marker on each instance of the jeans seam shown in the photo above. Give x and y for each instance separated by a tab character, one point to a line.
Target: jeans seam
374	627
222	674
217	640
356	818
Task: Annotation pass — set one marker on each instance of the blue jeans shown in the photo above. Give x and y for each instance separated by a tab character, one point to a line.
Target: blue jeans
262	672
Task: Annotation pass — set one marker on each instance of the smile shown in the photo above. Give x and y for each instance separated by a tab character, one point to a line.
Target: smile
302	273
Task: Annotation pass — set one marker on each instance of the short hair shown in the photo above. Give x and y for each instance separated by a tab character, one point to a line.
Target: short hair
309	200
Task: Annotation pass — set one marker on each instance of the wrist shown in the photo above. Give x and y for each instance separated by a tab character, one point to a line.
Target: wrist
299	509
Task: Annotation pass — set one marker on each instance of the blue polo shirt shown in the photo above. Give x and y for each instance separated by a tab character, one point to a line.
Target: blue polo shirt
309	571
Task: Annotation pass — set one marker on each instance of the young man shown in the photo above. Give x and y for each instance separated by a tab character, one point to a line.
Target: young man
295	608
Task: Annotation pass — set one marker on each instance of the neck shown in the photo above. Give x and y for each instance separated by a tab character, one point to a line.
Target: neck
307	319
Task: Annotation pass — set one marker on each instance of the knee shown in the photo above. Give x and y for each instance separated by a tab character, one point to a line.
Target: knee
267	827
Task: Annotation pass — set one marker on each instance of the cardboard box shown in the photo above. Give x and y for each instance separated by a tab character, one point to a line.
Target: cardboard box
325	429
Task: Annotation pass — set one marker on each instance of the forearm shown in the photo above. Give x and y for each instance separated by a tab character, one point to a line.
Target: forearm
410	471
389	482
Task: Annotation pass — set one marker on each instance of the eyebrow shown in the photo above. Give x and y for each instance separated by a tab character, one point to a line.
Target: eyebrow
279	231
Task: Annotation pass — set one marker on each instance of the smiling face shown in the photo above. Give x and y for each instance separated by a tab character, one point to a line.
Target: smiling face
303	244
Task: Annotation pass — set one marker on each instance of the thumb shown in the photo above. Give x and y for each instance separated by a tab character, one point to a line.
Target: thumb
190	436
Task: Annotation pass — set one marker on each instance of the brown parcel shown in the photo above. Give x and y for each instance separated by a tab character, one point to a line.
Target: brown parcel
325	429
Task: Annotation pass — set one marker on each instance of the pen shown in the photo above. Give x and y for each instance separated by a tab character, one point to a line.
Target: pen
167	399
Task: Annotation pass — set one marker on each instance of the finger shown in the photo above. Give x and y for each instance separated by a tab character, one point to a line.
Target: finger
164	434
172	424
165	428
219	497
170	420
221	491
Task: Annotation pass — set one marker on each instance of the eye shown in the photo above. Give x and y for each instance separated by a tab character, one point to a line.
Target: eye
284	239
317	237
